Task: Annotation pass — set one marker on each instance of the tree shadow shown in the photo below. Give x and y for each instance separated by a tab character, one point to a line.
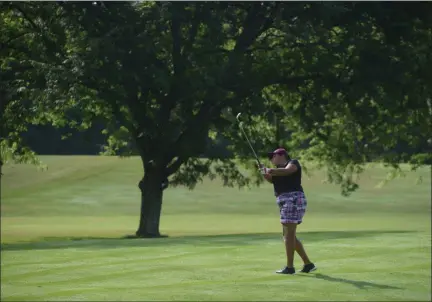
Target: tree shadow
358	284
47	243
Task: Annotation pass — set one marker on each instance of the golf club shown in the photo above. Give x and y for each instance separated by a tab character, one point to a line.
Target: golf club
244	133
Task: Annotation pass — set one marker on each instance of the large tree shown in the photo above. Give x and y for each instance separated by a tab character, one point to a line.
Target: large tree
167	76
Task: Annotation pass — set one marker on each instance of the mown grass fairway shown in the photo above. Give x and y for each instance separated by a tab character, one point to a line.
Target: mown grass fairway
61	236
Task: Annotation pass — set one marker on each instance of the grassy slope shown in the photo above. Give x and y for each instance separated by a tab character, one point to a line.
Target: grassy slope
60	231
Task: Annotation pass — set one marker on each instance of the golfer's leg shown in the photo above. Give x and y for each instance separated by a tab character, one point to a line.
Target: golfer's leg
290	242
301	251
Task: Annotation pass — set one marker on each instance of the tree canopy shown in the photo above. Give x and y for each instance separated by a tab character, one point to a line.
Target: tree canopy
338	83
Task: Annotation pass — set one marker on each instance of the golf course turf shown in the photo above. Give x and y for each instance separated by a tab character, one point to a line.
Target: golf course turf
63	238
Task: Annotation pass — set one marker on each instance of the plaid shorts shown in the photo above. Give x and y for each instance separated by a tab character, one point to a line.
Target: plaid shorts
292	207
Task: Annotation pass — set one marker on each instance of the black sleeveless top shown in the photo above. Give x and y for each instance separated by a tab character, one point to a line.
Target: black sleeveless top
289	183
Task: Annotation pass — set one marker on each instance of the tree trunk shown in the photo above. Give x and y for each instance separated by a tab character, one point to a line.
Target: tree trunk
151	203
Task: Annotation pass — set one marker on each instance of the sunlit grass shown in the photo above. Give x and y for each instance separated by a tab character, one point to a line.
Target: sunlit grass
62	238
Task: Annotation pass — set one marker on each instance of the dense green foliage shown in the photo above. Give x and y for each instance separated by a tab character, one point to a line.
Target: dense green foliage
340	83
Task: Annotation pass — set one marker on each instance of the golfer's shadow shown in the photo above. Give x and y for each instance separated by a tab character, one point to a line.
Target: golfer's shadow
358	284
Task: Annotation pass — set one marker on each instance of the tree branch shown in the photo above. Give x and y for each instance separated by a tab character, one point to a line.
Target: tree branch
193	31
120	117
137	110
272	15
173	167
179	63
250	29
4	45
194	128
255	23
213	51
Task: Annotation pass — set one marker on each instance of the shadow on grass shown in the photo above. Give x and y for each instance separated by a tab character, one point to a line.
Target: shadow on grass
358	284
201	240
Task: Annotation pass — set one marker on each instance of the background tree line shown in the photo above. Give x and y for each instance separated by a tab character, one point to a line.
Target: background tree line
48	140
337	83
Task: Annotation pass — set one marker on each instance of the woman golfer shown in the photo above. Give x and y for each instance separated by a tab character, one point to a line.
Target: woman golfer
290	197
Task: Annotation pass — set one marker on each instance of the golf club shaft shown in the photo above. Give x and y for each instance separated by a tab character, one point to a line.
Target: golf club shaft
250	145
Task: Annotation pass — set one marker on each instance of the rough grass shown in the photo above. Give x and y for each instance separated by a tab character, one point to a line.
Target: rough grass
62	238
